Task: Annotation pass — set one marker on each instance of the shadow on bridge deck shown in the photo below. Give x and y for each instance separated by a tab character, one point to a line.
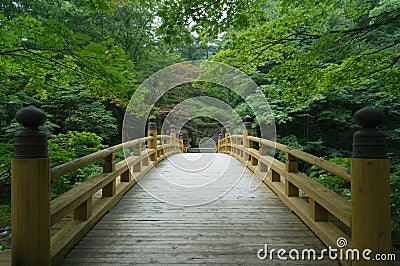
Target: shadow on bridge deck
230	230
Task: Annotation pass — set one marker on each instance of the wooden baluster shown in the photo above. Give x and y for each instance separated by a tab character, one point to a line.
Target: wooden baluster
181	147
263	152
246	132
291	190
84	211
219	145
126	176
254	161
108	167
173	138
108	164
291	163
152	144
162	142
291	167
137	152
370	187
30	191
317	212
275	177
228	138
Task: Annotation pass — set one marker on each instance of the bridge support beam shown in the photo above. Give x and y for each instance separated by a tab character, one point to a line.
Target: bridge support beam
30	191
370	188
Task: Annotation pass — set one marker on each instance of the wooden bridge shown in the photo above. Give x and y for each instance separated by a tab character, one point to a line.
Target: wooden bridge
110	220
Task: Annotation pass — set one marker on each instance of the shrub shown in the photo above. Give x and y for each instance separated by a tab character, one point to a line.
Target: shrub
66	147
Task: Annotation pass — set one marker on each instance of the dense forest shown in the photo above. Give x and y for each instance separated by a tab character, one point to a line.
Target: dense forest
317	62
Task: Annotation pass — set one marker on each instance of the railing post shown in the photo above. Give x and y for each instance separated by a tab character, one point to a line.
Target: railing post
152	144
172	133
246	132
219	145
181	142
30	195
108	167
228	138
370	187
291	166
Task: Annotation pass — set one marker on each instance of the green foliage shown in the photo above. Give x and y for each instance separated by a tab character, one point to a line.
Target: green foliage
69	109
66	147
5	215
6	153
95	117
290	141
334	183
395	205
38	52
77	143
206	18
312	48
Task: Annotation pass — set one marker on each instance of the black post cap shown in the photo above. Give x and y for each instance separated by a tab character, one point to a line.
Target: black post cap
152	123
247	122
30	142
228	128
369	142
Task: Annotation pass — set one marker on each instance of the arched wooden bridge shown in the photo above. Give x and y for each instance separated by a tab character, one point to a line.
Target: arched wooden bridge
109	220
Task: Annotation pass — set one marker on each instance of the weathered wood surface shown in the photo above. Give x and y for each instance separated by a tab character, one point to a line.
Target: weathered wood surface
140	229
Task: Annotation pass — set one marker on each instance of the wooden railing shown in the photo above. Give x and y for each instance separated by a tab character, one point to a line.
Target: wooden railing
42	231
285	180
89	201
364	221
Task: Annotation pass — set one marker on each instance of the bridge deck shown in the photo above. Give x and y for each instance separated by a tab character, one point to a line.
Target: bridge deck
142	229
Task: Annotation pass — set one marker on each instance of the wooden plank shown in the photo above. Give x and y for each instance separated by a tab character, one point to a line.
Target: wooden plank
5	257
336	205
126	176
73	198
317	212
109	190
85	160
291	190
370	194
84	211
30	211
309	158
326	231
69	235
229	230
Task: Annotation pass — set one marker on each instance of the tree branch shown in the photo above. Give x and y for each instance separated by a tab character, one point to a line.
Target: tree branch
392	64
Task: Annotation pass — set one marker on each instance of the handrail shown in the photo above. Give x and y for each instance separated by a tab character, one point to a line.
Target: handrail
77	210
335	169
75	164
316	204
81	200
60	223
